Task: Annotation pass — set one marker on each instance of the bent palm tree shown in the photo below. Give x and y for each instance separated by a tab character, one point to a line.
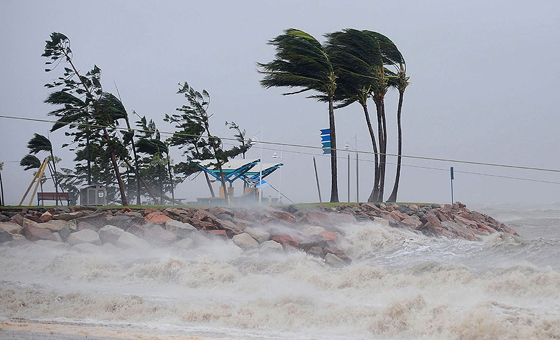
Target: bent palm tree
302	62
356	56
401	83
41	143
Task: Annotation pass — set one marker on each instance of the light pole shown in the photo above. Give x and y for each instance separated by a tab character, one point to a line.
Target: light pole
275	155
347	147
260	165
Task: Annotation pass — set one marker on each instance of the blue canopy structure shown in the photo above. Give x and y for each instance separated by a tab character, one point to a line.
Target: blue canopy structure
232	170
252	172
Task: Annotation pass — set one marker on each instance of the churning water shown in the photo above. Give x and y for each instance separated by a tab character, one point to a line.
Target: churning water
400	285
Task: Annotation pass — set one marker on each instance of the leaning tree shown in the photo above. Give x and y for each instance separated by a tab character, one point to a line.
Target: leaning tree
78	97
302	62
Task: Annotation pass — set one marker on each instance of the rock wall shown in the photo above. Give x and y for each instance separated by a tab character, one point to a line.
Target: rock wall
315	230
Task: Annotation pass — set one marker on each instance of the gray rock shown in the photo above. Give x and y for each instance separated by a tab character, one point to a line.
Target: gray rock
245	241
110	234
128	240
316	251
83	236
335	261
69	216
258	234
60	224
5	236
11	227
65	232
271	247
381	221
182	230
313	230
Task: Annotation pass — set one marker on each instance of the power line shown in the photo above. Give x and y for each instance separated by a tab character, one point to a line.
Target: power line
309	147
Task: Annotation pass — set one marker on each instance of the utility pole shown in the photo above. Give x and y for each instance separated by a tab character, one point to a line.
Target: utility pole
452	178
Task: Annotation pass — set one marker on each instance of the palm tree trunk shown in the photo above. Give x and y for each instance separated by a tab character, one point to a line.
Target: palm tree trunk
375	154
374	197
334	168
393	197
383	156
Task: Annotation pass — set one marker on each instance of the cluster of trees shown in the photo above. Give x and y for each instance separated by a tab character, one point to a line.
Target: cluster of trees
91	116
351	66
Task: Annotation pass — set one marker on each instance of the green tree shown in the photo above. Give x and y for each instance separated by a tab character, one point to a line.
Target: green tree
152	145
84	104
193	133
302	62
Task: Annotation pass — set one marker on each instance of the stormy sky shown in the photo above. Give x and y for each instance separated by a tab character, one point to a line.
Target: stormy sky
484	86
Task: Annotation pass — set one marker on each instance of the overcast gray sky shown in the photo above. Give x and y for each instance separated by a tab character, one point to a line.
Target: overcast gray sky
484	86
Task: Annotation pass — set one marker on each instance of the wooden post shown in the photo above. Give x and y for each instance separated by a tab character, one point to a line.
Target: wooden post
41	171
317	178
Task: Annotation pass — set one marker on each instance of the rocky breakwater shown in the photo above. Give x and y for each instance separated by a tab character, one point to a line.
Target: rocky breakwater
315	230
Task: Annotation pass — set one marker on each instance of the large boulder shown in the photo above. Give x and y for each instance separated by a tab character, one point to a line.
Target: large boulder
128	240
11	227
271	247
159	236
245	241
334	261
230	227
33	232
5	236
83	236
258	234
70	216
286	240
110	234
156	217
182	230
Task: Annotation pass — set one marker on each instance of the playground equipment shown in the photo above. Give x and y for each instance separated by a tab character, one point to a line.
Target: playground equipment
38	176
251	172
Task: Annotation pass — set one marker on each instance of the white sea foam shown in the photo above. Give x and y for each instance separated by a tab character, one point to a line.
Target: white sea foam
400	285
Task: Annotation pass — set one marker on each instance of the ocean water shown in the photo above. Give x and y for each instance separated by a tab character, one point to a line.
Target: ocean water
400	285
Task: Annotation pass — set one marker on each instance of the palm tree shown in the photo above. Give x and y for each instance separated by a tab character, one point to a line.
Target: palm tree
32	162
401	83
302	62
391	57
152	145
155	148
356	56
40	143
